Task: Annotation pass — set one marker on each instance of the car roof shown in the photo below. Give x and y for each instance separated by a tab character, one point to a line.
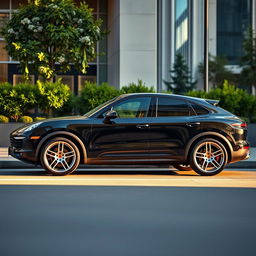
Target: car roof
164	94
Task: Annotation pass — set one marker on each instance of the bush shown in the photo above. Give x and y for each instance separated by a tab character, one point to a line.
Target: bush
38	118
92	95
52	96
4	119
136	88
17	100
231	98
26	119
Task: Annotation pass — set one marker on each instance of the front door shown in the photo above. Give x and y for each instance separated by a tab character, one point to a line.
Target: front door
124	139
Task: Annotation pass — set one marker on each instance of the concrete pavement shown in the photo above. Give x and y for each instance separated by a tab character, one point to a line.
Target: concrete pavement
7	162
149	177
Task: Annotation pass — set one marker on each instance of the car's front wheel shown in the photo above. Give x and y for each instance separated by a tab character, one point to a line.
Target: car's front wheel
60	156
208	157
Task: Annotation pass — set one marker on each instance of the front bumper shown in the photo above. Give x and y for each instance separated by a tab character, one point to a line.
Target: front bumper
22	148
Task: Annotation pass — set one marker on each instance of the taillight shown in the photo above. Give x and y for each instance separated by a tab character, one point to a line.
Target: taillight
239	125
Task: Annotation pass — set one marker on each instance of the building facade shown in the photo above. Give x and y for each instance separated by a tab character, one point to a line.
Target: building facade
145	36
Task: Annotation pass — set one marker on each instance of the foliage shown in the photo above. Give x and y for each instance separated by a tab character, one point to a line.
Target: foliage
233	99
44	32
26	119
16	100
38	118
181	80
4	119
92	95
218	72
52	95
248	61
136	88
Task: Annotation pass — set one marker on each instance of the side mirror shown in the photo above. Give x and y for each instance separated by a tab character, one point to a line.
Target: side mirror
111	115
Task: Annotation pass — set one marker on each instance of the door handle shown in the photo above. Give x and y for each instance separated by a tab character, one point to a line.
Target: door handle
193	124
142	126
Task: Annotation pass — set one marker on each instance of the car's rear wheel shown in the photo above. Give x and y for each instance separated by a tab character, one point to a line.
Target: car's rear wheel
208	157
60	156
182	167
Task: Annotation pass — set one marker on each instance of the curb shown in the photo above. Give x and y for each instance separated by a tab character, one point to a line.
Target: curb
10	164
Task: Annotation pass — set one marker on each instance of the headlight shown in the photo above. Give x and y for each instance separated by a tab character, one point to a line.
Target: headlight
30	127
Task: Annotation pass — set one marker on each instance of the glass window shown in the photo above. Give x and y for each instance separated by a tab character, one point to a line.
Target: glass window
199	109
233	19
172	107
4	4
181	27
17	3
138	107
4	17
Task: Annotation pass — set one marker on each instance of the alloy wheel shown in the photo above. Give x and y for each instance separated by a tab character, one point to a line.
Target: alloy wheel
209	157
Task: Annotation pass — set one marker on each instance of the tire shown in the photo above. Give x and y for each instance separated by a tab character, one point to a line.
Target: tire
60	156
182	167
208	157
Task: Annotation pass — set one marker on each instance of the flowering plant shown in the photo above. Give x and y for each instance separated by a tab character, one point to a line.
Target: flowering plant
46	32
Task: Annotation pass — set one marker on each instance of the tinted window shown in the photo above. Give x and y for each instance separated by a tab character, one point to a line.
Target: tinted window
137	107
172	107
199	110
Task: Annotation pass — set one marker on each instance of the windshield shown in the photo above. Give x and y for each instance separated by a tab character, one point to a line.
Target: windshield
91	112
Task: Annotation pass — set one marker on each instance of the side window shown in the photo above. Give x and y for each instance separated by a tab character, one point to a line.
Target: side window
199	110
136	107
168	106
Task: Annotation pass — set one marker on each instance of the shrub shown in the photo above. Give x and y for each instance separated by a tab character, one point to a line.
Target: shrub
231	98
52	96
38	118
136	88
4	119
26	119
16	100
92	95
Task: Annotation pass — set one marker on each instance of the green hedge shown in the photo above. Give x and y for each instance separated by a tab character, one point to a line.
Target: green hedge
233	99
4	119
16	101
26	119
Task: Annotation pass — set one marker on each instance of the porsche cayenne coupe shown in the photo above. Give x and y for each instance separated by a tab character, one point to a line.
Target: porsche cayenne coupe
144	128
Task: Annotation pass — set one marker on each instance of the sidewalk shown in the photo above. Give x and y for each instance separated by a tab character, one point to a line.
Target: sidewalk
8	162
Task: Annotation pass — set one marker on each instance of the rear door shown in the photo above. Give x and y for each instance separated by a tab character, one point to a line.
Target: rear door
172	125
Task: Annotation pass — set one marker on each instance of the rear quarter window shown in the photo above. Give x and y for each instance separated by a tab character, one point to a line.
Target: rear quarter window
199	110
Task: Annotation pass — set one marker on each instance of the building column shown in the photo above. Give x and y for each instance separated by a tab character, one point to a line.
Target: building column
132	42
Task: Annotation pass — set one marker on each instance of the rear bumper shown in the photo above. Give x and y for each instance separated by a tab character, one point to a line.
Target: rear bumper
242	153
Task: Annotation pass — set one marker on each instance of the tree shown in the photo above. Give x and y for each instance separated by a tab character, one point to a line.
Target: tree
181	80
248	61
218	72
45	32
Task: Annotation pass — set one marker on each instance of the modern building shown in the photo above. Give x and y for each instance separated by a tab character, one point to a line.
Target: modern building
145	36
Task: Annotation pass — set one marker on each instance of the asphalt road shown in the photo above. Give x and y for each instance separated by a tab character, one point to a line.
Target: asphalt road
126	220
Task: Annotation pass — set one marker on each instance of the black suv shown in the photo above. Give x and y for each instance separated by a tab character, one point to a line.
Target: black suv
145	128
